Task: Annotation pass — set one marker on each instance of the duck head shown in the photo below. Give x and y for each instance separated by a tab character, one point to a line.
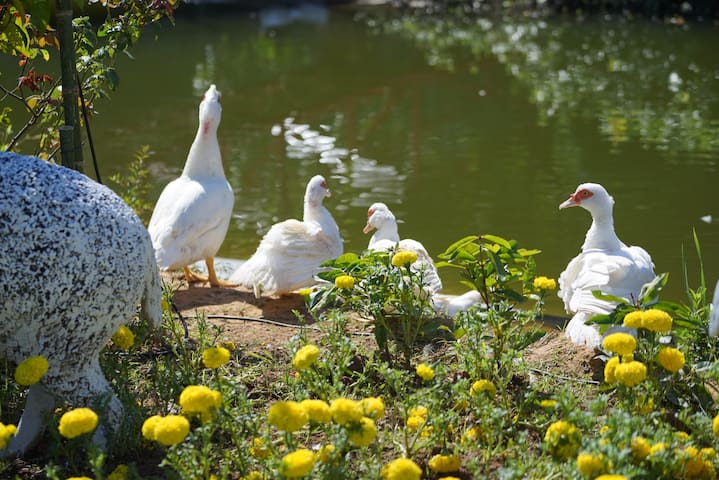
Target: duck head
377	216
590	196
210	110
317	190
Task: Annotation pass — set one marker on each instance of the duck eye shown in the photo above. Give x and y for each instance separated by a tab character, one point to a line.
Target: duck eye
323	185
218	99
585	193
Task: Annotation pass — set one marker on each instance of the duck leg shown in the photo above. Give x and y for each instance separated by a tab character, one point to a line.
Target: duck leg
193	277
214	281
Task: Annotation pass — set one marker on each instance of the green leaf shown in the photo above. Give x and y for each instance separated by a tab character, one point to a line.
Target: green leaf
499	266
498	240
610	298
651	290
40	15
523	252
459	244
113	78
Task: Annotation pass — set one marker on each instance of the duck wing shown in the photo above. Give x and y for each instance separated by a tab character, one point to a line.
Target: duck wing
288	258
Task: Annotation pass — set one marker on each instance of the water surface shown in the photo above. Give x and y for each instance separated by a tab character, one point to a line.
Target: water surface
462	128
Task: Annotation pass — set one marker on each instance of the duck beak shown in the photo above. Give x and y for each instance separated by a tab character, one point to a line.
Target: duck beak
570	202
367	228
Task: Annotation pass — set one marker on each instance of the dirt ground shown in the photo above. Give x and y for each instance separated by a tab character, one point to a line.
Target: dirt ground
266	324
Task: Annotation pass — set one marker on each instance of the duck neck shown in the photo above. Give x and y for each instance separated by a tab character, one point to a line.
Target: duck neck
601	234
204	159
316	212
385	232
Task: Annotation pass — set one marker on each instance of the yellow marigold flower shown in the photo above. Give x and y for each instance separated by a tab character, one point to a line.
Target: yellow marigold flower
472	435
656	320
544	283
708	453
633	319
297	464
425	371
305	292
419	411
444	463
124	338
591	465
548	403
6	431
715	425
640	448
166	431
631	374
695	466
400	259
426	432
200	400
610	370
372	407
671	359
483	386
120	473
288	416
401	469
30	371
318	410
305	357
362	434
415	421
647	407
562	439
77	422
324	453
657	448
215	357
620	343
259	449
171	430
148	427
346	411
681	435
253	475
608	476
229	345
345	281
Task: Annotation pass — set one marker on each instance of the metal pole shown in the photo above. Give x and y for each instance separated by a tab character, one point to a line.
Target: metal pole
71	157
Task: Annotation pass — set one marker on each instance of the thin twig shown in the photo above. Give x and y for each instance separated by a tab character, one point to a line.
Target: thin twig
562	377
273	322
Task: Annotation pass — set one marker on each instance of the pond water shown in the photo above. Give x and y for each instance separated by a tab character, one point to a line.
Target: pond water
461	127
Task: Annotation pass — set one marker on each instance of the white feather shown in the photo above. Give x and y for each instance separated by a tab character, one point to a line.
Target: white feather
191	217
714	315
290	253
605	264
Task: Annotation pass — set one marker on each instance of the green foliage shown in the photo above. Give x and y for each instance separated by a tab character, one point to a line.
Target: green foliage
393	297
497	268
134	187
25	33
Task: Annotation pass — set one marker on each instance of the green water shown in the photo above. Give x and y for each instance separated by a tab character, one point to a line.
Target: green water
460	127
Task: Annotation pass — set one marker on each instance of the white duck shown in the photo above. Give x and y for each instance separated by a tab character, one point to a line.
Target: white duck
193	212
605	264
386	238
290	253
714	315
